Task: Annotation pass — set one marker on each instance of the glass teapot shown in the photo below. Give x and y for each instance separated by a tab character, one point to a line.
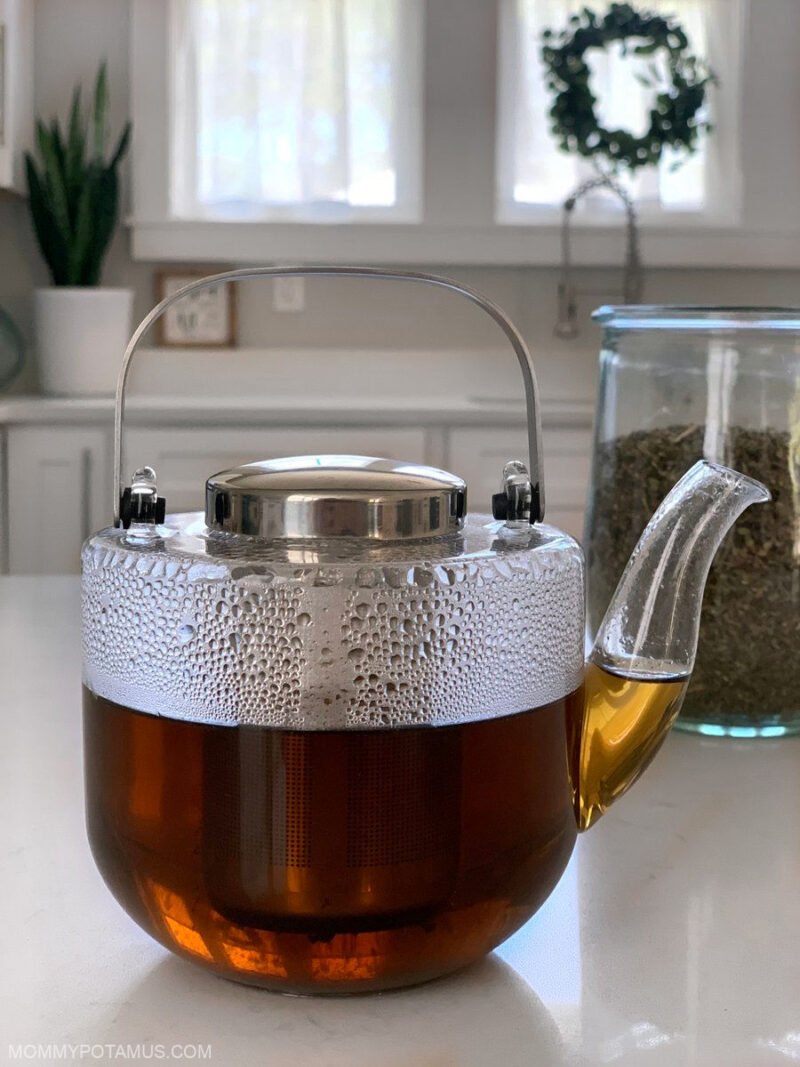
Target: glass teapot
339	732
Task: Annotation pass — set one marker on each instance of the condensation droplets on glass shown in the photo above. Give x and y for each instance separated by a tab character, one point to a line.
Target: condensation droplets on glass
479	629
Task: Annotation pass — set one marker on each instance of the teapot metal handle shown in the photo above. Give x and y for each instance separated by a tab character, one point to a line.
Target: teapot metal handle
492	310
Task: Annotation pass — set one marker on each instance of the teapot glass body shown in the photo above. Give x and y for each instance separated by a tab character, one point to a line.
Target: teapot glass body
329	769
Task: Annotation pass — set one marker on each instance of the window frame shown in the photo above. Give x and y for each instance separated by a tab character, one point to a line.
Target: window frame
458	163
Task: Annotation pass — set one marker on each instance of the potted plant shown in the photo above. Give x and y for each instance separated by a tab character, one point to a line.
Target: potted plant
81	327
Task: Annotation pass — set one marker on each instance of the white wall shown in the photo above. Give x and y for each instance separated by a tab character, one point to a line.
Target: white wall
72	36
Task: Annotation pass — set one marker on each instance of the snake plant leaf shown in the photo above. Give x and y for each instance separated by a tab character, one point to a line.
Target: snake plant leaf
100	112
122	145
45	145
61	152
53	247
104	217
76	141
82	235
56	193
58	149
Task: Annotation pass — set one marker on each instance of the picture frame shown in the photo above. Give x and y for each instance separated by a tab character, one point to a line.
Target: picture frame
207	319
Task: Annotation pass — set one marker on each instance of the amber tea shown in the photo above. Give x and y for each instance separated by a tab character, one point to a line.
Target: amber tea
625	721
351	859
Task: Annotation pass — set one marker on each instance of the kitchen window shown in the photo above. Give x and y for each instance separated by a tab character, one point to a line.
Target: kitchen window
297	110
533	174
415	131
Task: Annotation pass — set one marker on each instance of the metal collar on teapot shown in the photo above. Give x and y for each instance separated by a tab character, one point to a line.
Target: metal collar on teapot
335	496
238	503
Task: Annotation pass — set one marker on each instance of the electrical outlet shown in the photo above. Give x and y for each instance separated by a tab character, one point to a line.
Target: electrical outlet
289	294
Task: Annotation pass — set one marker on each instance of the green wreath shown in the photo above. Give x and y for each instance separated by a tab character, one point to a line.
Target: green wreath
675	118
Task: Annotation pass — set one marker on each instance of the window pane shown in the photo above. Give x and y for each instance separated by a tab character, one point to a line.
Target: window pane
531	168
295	108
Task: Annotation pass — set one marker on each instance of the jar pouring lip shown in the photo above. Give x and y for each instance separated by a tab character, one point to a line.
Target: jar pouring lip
697	317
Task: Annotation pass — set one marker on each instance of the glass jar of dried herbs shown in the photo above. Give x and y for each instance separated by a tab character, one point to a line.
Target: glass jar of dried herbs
678	384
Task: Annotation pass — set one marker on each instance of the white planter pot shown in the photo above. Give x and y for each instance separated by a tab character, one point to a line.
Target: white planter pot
81	334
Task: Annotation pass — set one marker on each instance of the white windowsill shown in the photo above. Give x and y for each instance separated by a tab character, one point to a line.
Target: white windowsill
599	243
605	214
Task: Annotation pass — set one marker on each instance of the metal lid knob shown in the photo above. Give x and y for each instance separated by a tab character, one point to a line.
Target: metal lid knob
140	502
336	496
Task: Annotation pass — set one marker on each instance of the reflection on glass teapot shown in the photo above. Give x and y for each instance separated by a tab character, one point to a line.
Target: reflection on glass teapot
339	732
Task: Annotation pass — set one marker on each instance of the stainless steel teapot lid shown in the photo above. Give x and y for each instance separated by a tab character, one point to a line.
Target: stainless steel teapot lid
336	496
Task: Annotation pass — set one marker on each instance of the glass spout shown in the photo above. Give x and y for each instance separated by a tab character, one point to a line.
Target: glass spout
643	656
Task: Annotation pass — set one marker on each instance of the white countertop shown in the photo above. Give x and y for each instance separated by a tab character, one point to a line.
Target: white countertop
673	938
280	386
455	409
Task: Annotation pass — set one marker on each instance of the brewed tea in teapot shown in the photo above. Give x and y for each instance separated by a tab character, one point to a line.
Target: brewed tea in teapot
339	733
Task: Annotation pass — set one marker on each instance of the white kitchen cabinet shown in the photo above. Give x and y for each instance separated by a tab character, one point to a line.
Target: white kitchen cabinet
59	491
183	459
478	455
16	90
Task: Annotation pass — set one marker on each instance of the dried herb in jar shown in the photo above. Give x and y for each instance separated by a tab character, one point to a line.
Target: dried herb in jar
748	660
